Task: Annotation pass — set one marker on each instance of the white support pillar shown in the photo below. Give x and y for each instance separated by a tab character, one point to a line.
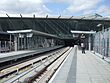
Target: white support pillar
28	43
5	46
10	42
15	43
24	42
89	42
0	46
21	43
18	43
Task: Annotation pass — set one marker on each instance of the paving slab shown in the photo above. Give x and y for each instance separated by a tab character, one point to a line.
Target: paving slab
82	68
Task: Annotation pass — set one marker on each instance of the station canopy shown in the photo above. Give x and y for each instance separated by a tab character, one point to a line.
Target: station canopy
59	26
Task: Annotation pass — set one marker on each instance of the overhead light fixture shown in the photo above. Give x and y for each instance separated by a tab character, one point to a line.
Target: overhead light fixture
99	25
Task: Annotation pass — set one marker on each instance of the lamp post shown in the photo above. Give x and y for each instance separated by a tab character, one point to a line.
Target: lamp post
102	25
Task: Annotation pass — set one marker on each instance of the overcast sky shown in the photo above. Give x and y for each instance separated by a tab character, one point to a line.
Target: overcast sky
55	7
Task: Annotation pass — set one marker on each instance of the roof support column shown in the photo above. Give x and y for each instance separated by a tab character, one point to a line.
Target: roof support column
89	41
25	43
15	43
10	42
0	46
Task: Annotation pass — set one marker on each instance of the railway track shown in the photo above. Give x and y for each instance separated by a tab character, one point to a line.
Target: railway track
35	54
49	71
21	69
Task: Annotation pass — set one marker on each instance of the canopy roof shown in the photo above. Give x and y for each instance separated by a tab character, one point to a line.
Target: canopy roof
59	26
33	32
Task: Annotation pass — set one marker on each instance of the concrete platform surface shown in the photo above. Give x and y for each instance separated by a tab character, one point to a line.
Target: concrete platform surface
82	68
18	54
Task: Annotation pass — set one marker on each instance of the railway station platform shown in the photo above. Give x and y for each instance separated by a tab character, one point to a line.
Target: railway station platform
24	53
82	68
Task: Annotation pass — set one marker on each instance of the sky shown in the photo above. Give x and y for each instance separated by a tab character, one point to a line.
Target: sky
55	7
